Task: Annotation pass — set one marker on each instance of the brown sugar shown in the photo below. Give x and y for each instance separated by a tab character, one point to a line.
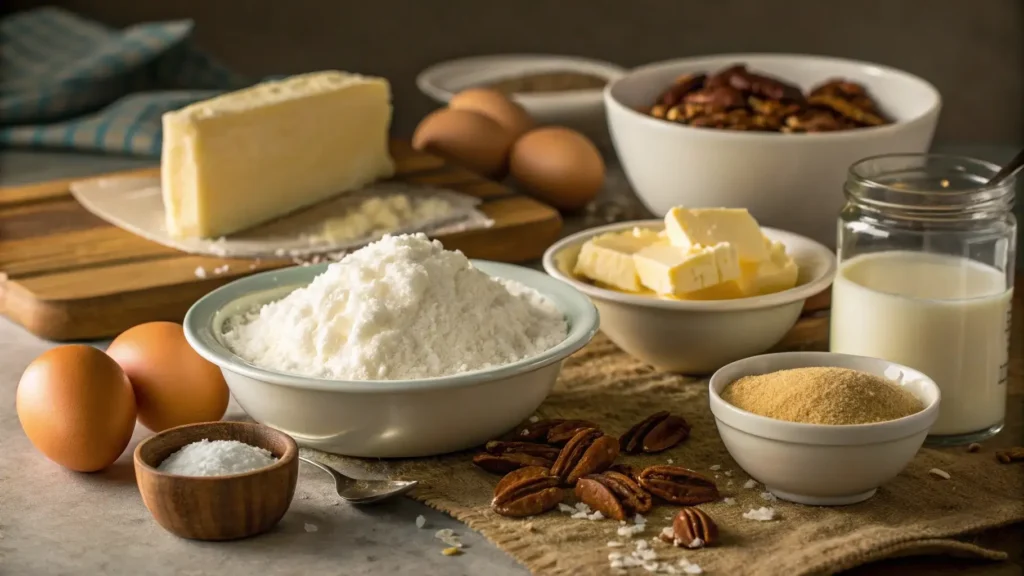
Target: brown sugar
822	395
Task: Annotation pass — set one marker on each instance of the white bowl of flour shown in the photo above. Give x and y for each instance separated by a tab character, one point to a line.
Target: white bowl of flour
401	349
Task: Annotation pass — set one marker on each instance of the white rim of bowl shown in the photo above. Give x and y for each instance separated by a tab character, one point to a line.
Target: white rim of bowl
800	292
774	137
426	80
826	434
199	320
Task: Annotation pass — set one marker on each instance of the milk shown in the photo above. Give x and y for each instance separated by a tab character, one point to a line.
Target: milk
946	316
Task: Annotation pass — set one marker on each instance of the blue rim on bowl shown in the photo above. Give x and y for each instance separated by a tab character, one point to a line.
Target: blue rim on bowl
799	292
205	319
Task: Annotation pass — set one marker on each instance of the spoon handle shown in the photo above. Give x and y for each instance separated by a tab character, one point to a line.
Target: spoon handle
339	478
1009	170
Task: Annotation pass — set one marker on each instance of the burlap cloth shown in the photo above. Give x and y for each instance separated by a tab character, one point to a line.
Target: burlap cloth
916	513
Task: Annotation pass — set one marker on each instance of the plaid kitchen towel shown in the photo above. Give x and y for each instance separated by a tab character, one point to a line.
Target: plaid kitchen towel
67	82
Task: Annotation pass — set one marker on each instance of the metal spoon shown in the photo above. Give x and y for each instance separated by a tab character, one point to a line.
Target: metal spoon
1009	170
363	491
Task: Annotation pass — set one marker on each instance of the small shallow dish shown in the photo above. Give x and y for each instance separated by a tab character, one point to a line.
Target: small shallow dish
217	507
697	337
788	181
386	418
582	110
818	464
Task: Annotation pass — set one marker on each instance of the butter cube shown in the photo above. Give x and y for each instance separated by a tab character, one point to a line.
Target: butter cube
671	270
776	274
608	259
691	227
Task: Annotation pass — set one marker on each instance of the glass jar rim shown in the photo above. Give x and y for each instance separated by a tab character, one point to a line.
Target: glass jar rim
866	188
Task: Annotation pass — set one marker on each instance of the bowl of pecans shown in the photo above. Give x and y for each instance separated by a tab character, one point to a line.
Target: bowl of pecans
766	132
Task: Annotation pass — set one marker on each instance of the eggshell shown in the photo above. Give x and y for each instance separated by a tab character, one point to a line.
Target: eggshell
496	106
173	384
559	166
76	406
466	138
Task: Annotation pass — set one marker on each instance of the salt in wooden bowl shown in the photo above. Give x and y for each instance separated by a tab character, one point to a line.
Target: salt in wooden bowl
218	507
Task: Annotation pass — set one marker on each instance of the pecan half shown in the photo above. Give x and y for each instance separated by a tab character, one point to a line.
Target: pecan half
738	77
1015	454
518	475
615	495
813	121
499	447
717	98
678	485
682	86
693	528
847	109
528	496
505	463
853	92
656	433
588	452
555	431
563	431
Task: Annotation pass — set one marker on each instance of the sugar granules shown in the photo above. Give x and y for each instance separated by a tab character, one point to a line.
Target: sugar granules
400	308
216	458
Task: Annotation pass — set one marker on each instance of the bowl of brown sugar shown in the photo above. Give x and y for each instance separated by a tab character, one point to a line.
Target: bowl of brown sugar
821	428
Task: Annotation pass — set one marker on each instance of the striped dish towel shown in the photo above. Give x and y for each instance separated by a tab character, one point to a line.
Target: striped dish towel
71	83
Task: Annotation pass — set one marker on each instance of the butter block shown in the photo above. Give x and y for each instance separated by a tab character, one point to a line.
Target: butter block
691	227
608	259
671	270
243	158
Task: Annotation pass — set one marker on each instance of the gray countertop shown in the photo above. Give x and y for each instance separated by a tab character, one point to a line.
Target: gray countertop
53	521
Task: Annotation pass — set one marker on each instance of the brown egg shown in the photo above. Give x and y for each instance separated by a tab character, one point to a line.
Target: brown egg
559	166
76	406
466	138
496	106
173	384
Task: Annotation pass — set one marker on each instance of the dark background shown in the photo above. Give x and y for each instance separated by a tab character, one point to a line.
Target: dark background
972	50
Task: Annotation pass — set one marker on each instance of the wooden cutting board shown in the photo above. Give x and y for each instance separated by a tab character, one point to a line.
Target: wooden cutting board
68	275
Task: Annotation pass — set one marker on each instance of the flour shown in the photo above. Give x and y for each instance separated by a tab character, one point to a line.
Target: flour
400	308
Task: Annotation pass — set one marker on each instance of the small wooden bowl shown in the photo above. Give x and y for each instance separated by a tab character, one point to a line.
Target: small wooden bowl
218	507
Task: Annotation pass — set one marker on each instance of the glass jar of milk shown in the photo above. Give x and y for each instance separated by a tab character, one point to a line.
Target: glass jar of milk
926	256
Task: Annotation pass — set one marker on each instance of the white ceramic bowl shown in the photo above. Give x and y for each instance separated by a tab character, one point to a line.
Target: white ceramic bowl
817	464
697	337
788	181
581	110
386	419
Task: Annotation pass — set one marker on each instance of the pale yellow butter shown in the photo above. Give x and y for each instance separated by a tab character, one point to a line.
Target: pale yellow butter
671	270
249	156
608	258
692	227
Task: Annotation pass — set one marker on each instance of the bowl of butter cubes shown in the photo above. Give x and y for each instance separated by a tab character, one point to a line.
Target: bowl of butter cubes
693	292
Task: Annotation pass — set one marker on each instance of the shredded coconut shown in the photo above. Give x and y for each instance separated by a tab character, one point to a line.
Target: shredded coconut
769	496
400	308
216	458
750	484
940	473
